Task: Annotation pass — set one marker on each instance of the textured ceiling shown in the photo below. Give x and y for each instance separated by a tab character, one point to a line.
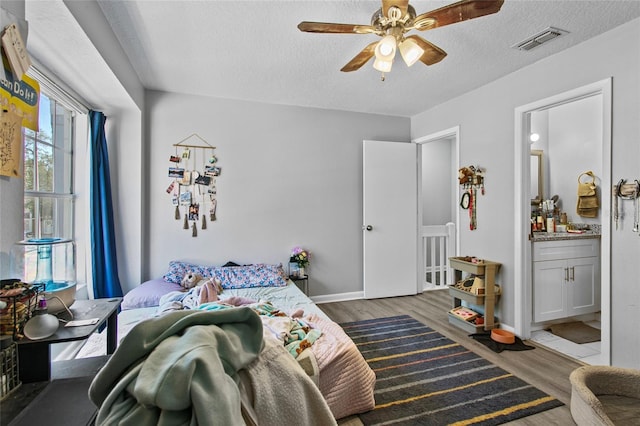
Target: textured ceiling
252	50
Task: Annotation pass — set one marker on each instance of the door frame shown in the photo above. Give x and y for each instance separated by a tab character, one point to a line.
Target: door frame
450	133
522	264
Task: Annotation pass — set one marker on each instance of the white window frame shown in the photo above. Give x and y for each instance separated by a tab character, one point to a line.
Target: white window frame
80	173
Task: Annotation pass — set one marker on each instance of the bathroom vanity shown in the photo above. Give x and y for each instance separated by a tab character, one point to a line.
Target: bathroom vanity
566	275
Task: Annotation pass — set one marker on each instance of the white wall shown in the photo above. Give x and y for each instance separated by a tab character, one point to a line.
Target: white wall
575	146
486	119
290	176
570	138
121	99
540	125
436	186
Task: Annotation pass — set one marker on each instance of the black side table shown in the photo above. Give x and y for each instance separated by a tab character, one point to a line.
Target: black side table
34	356
63	400
304	280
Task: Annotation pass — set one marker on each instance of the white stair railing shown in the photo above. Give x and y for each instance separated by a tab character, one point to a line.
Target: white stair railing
438	244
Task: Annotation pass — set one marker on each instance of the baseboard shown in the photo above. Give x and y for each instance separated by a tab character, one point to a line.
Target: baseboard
340	297
508	328
355	295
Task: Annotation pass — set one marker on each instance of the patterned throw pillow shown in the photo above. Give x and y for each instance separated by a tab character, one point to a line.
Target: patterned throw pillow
258	275
177	271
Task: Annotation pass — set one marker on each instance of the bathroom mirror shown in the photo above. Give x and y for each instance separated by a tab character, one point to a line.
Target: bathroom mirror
537	177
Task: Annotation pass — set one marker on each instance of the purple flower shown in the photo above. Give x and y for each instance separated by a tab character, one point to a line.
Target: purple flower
300	256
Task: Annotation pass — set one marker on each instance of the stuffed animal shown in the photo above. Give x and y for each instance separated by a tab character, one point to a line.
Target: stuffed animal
209	290
190	280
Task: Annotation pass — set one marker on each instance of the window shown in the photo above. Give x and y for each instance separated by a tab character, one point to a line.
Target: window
48	173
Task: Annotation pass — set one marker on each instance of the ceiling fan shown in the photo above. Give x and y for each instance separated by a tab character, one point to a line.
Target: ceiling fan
393	20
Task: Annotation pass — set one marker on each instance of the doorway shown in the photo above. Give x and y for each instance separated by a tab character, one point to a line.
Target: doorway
438	195
523	251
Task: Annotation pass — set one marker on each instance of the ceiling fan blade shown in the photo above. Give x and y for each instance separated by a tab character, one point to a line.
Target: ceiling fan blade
361	58
327	27
456	12
432	53
400	4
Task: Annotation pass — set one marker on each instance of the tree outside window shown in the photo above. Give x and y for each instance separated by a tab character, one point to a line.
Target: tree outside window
48	173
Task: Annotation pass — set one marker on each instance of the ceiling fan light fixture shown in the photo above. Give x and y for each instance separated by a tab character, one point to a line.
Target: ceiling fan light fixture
397	17
410	51
382	65
386	48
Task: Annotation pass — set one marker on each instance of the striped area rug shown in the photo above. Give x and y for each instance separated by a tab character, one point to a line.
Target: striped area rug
424	378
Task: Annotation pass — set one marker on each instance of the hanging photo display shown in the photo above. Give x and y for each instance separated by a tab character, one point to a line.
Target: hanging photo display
193	183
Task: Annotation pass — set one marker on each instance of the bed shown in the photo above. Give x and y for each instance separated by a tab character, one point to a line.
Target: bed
332	361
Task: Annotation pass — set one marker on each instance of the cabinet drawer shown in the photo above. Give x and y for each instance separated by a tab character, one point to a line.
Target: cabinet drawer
565	249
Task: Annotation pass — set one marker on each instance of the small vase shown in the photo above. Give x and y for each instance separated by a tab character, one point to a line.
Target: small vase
301	272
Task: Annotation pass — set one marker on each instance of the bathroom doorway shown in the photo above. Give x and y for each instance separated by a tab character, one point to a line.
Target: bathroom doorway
599	93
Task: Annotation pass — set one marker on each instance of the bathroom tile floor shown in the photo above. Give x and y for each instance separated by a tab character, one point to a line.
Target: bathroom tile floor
589	353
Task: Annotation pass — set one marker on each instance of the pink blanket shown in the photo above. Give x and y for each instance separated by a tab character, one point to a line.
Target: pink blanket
346	380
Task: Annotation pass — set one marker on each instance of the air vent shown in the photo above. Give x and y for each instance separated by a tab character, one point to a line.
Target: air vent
536	40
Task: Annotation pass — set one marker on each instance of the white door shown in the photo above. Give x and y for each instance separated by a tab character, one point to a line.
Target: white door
390	219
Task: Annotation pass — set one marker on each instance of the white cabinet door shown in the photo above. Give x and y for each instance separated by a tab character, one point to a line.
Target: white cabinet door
583	286
549	292
566	279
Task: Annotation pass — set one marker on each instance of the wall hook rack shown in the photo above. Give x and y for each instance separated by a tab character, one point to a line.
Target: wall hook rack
471	179
627	191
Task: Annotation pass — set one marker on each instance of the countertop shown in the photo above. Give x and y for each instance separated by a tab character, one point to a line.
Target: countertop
554	236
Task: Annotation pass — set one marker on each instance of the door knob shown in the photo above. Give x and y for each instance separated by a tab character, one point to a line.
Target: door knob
368	227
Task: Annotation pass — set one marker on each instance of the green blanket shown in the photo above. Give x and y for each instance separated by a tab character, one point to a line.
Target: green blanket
180	368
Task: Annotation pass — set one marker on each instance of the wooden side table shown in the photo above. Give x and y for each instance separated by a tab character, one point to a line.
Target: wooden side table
34	356
304	280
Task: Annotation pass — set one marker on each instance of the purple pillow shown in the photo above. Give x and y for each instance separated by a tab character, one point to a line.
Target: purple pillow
148	294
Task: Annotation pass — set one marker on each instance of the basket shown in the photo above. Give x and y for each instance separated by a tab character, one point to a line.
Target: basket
9	380
20	305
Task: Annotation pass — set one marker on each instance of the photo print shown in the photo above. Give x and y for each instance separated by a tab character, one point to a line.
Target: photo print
194	211
176	172
185	199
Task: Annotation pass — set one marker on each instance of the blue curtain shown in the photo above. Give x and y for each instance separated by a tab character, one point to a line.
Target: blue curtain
103	243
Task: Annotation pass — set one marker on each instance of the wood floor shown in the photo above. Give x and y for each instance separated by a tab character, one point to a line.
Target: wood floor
547	370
